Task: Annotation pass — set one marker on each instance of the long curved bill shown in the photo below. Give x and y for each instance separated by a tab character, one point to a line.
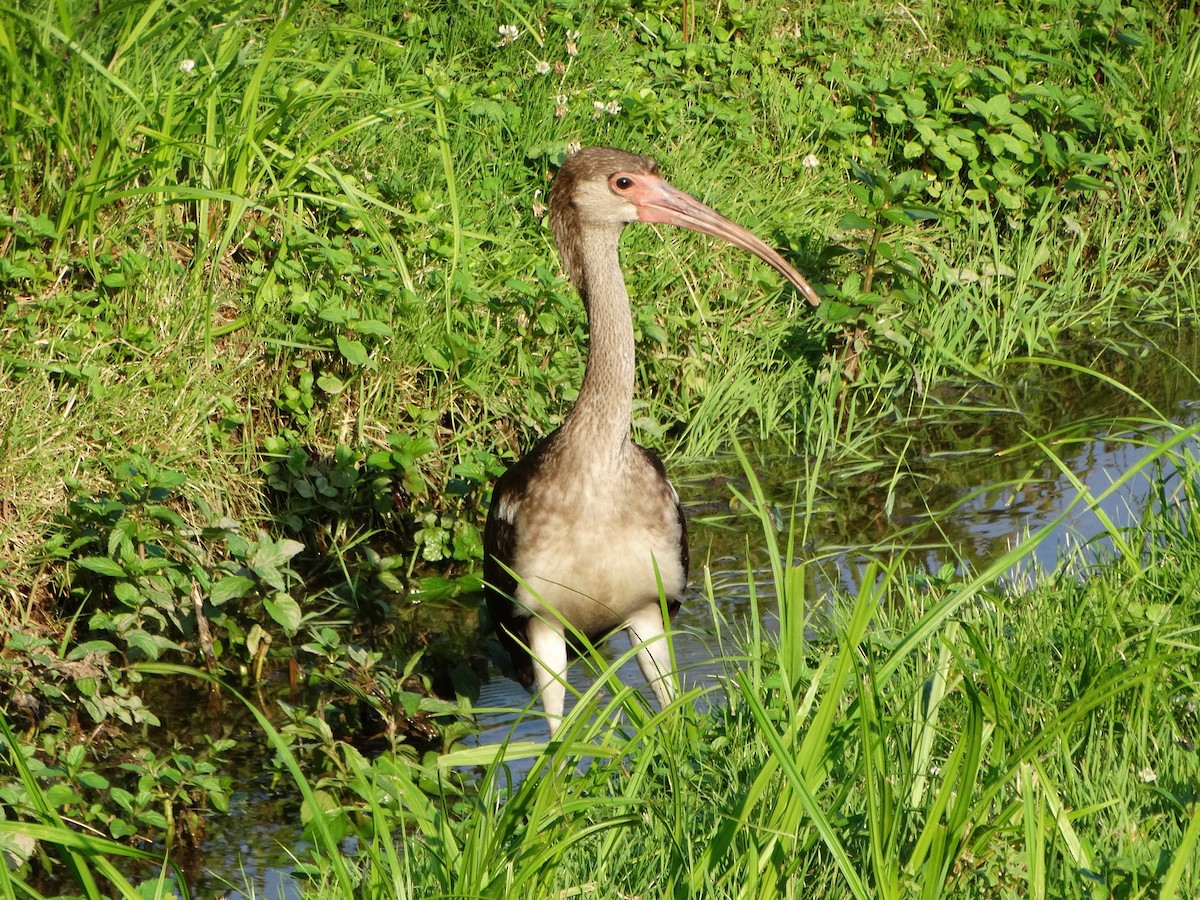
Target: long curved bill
658	201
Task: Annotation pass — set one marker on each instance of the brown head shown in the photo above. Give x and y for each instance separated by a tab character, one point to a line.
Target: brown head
600	188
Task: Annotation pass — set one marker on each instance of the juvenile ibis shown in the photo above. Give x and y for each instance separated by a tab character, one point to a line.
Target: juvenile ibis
588	521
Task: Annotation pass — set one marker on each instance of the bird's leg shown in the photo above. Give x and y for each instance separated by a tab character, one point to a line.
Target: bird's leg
645	627
548	648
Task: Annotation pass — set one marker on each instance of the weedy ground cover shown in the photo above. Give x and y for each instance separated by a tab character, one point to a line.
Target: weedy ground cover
954	736
279	298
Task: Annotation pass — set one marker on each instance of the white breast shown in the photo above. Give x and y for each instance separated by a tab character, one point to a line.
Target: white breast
588	548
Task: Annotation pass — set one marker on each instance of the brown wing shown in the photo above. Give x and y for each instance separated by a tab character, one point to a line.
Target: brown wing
500	536
673	603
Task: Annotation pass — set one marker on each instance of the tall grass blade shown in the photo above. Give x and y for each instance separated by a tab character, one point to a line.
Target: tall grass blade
785	758
1183	859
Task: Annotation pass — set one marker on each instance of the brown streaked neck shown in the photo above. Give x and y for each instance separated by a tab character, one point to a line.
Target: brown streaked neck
601	417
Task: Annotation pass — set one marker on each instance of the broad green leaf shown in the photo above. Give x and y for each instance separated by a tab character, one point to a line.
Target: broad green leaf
952	160
975	106
835	312
1022	131
102	566
923	213
1054	151
1015	146
381	459
390	581
79	651
122	798
435	357
354	351
127	593
120	829
409	701
229	588
422	445
655	332
334	314
1008	199
276	553
39	227
330	384
154	819
60	795
285	611
852	221
93	780
998	108
468	544
144	642
374	327
1091	160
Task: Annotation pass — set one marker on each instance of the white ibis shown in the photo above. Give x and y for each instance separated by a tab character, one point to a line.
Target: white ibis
588	522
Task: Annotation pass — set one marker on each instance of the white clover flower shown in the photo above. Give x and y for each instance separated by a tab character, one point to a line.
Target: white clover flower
508	34
187	66
597	108
810	162
572	43
560	106
542	67
613	108
1148	775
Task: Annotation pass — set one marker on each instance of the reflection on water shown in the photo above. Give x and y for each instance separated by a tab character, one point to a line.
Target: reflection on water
956	483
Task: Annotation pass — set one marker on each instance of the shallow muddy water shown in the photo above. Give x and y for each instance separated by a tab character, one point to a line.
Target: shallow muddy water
955	484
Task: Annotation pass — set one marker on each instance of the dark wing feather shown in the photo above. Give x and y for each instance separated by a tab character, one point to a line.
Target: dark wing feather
500	552
685	558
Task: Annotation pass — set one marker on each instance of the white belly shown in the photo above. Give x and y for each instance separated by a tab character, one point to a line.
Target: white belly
589	551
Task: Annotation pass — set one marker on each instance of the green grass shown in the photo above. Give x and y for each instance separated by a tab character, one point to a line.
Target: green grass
195	253
955	737
278	298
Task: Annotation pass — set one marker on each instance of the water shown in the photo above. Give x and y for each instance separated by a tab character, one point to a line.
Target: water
969	486
982	527
956	482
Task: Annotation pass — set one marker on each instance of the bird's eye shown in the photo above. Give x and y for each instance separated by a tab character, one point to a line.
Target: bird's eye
622	182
